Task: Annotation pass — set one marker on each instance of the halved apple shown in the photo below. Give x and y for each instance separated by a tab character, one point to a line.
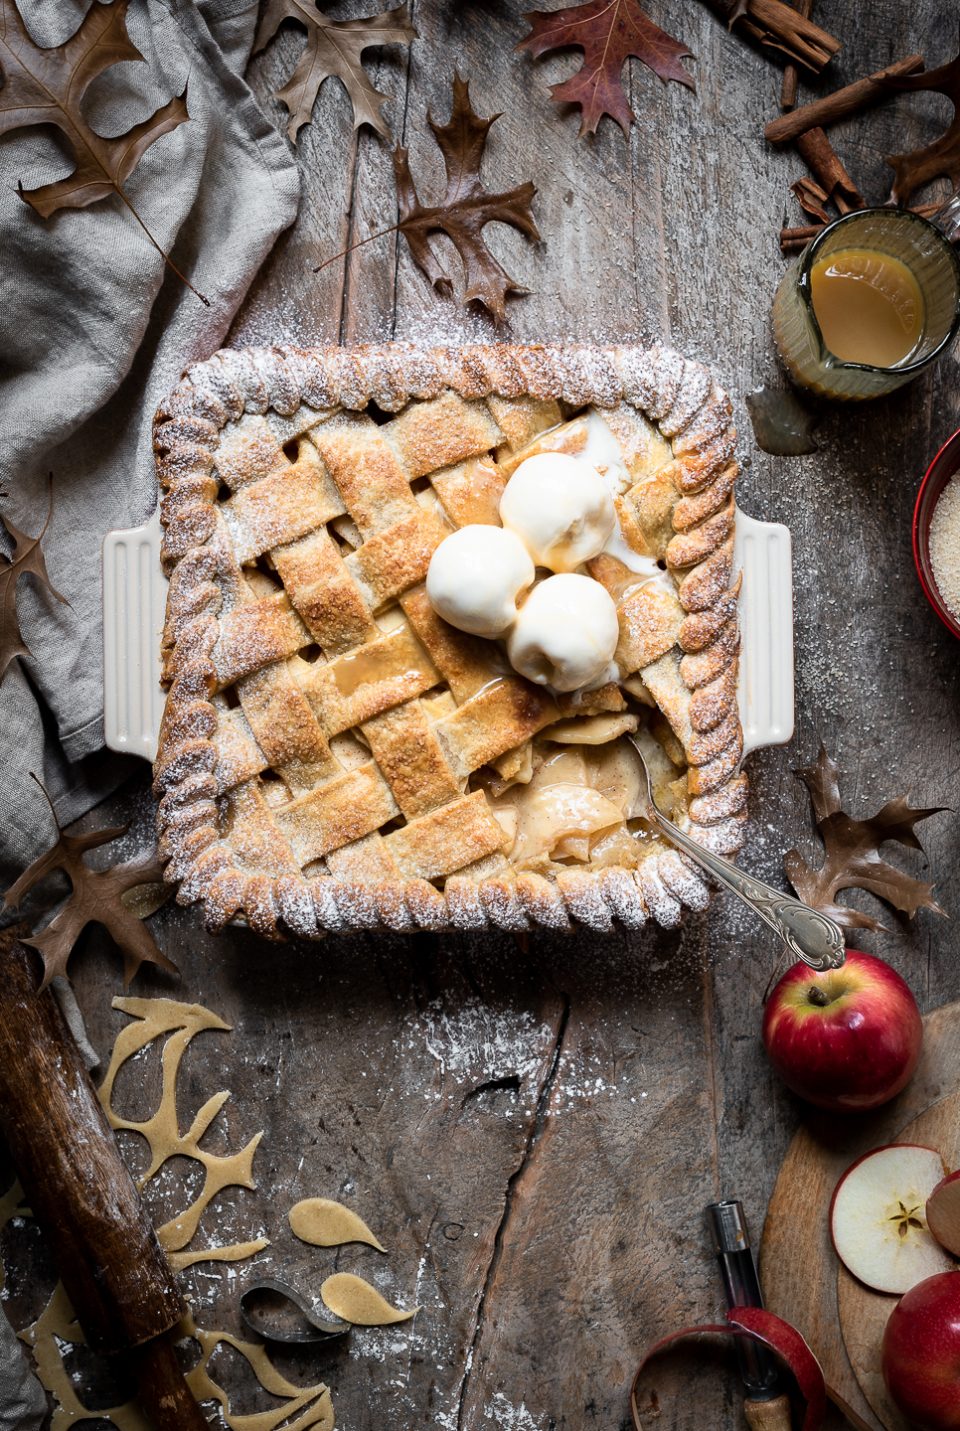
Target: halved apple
878	1219
943	1213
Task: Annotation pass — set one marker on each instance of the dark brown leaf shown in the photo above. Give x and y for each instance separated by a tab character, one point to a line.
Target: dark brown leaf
27	560
48	86
97	896
334	49
852	858
608	32
465	209
942	157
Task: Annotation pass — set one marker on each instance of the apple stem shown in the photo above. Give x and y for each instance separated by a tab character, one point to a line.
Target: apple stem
818	997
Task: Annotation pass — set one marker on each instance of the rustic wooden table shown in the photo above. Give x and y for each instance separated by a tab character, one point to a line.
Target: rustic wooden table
533	1127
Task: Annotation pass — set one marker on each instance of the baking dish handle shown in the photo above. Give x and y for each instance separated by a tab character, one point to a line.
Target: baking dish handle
134	599
135	591
763	553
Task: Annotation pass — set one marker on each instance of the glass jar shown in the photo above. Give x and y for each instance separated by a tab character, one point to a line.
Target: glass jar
923	246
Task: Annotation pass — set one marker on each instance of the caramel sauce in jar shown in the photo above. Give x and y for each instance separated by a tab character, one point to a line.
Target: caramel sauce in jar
868	306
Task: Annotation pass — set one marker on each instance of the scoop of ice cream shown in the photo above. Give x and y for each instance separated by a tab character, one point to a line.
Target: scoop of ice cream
560	507
566	633
475	576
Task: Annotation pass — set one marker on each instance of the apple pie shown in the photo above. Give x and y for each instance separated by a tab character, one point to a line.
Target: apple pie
334	754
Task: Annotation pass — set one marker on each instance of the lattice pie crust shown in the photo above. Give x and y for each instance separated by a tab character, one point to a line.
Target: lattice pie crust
333	755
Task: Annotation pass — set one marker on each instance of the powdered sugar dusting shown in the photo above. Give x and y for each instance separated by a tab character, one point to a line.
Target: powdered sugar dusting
258	625
506	1417
479	1043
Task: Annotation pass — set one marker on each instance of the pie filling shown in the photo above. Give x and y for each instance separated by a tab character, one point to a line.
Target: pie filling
576	795
361	736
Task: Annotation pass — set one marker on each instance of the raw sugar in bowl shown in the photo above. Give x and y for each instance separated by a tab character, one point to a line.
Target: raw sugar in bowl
936	534
871	302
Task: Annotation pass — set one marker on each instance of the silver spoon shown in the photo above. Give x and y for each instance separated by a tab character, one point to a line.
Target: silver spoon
807	933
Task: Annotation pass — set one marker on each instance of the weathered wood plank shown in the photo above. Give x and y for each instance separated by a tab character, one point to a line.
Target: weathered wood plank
534	1132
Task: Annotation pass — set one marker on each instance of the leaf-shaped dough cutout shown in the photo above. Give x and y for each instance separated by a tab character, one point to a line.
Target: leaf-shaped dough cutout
325	1223
353	1299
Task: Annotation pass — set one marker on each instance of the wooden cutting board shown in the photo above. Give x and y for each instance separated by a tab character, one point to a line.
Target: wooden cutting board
801	1277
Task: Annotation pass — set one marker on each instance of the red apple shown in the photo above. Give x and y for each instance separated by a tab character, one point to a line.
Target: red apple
846	1039
921	1354
876	1218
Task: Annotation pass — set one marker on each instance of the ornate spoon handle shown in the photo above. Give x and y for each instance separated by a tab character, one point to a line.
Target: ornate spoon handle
807	933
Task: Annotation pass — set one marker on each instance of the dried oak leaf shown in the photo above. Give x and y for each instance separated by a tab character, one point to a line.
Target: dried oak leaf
334	49
465	209
942	158
27	560
97	897
852	858
608	32
48	86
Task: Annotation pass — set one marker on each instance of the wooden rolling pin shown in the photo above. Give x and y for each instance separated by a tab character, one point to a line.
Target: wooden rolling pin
82	1195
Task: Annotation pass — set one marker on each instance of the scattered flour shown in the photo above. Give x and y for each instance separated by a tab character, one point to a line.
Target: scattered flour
475	1043
507	1417
479	1042
499	1412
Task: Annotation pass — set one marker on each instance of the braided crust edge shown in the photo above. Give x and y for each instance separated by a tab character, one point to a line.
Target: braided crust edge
681	397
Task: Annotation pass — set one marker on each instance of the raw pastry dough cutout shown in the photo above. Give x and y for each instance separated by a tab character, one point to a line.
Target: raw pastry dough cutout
179	1024
355	1300
325	1223
55	1332
321	1221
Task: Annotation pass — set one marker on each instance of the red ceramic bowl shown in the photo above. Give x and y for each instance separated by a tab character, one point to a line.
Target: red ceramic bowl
945	465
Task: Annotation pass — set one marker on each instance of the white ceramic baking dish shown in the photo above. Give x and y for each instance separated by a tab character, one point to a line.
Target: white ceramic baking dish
135	591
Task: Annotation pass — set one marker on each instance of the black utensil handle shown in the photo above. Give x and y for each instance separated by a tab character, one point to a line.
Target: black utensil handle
758	1366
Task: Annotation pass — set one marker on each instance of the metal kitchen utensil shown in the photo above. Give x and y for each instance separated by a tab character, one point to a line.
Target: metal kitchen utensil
276	1312
807	933
767	1407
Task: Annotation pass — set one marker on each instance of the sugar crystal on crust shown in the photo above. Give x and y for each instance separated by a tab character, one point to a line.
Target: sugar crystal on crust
304	491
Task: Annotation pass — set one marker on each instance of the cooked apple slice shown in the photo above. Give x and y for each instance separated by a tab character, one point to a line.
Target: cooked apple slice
878	1218
943	1213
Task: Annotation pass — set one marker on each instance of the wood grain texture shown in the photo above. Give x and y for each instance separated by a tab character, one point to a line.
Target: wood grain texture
83	1198
799	1272
534	1132
863	1314
768	1415
71	1172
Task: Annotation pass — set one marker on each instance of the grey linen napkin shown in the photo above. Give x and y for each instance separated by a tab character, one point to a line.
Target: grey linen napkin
94	331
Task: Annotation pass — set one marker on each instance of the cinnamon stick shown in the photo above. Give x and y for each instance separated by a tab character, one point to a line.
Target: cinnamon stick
791	74
793	240
811	198
826	166
851	99
776	26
